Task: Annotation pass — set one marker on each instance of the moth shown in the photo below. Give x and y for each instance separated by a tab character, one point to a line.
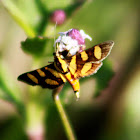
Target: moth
69	69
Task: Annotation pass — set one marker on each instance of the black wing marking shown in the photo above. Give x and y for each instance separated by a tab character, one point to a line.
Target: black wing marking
46	77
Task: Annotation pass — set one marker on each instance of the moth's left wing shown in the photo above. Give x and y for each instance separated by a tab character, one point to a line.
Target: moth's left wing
46	77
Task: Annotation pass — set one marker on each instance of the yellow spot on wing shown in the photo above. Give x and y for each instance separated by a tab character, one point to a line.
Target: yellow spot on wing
51	82
33	78
54	72
86	68
72	65
41	73
97	52
84	56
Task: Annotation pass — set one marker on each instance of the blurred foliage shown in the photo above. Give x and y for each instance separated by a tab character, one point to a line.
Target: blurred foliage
36	46
9	90
33	15
103	20
103	77
7	131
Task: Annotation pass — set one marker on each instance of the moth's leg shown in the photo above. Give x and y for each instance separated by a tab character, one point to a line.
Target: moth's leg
74	83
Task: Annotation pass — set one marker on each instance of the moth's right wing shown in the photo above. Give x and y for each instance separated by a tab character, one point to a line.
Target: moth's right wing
46	77
89	61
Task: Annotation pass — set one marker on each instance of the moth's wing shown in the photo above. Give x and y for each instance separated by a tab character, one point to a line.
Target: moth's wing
89	61
96	53
46	77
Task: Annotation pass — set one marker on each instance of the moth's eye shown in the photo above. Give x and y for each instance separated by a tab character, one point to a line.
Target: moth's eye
54	53
64	53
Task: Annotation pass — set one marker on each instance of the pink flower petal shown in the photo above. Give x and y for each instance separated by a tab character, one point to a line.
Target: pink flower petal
75	34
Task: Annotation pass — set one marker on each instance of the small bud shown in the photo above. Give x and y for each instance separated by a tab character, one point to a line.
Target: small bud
58	17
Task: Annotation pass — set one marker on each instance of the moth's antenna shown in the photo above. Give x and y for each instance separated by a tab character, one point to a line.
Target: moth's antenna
55	30
55	33
57	49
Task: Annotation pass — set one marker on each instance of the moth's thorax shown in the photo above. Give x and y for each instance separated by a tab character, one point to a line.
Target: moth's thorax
60	64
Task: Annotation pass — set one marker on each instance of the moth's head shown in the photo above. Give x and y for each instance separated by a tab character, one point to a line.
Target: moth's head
62	54
57	51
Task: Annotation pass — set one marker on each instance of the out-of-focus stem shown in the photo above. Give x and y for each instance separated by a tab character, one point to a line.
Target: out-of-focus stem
34	123
64	118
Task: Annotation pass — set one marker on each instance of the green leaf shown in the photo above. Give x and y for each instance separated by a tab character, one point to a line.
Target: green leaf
38	46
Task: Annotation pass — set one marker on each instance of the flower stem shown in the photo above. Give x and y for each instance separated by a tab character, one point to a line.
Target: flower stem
64	118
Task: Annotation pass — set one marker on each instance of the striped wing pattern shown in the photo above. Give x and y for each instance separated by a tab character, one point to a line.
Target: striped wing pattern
86	69
46	77
89	61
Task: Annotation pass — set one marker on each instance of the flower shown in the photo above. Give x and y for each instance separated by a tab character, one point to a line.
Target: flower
75	34
72	40
58	17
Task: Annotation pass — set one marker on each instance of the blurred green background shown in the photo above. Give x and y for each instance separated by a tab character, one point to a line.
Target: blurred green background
114	114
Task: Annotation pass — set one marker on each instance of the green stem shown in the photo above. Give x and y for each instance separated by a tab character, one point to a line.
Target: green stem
64	118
